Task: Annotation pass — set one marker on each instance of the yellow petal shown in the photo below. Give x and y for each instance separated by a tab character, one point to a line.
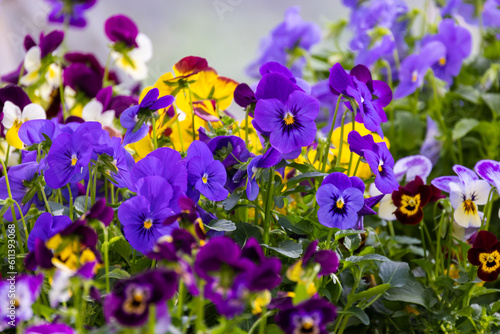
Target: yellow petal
12	136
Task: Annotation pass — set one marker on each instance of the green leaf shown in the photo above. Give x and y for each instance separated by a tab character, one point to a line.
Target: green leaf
358	313
394	273
121	246
492	101
463	127
287	248
369	257
303	227
352	242
117	273
58	210
221	225
468	93
426	265
401	239
344	233
80	204
231	201
305	176
372	292
279	201
244	231
412	292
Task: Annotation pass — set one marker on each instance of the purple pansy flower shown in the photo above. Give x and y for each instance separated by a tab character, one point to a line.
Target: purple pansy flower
415	66
412	166
290	34
379	159
142	216
311	316
130	117
70	11
491	13
489	170
130	300
359	87
466	193
34	131
46	226
286	113
16	305
205	175
121	29
458	43
244	96
327	259
269	159
68	159
340	198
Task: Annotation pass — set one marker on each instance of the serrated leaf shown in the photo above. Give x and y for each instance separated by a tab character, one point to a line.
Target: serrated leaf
287	248
394	273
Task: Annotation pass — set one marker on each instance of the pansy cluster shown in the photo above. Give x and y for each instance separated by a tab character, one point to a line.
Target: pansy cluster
169	209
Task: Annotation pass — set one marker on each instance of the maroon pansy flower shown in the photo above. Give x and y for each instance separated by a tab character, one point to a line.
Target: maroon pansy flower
485	253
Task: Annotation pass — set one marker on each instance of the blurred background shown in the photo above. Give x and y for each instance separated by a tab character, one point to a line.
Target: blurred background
225	32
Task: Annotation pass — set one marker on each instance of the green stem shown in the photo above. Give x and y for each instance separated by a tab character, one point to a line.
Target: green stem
106	256
192	112
70	202
7	155
269	205
106	69
180	133
153	121
14	218
88	187
423	239
263	322
352	153
438	246
42	190
180	300
94	186
247	111
339	157
152	319
329	138
200	312
61	91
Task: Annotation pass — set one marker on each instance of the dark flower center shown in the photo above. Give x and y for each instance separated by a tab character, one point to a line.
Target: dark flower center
490	262
306	325
469	207
136	302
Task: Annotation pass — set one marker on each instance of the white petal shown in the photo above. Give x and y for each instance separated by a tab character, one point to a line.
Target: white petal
32	60
107	118
53	75
480	189
467	219
11	114
145	49
387	208
411	167
29	78
44	91
457	194
69	96
33	111
92	110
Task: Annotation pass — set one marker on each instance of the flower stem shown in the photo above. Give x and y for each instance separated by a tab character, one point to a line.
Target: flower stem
153	121
152	319
70	202
263	322
269	205
106	256
180	300
247	111
339	157
329	138
438	246
200	316
192	112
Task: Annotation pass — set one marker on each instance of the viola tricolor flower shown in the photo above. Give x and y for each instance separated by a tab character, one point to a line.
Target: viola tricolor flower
71	12
46	226
361	89
205	175
485	253
286	113
130	300
142	216
340	198
466	193
379	159
13	118
311	316
410	199
489	170
17	296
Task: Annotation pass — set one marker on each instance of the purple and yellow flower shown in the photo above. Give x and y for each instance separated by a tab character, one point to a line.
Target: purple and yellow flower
340	198
466	193
13	118
311	316
286	113
46	226
142	216
485	253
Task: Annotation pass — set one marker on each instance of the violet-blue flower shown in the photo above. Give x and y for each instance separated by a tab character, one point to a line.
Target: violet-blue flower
121	29
340	197
311	316
70	11
46	226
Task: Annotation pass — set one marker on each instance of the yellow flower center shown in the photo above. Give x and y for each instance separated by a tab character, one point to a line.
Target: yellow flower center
469	207
380	168
74	160
204	179
442	61
289	119
410	204
135	302
489	261
340	203
147	224
414	76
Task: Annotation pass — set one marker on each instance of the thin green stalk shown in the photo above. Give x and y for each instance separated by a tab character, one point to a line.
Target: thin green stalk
192	112
112	189
106	256
438	246
423	238
357	166
14	218
180	134
7	155
94	186
152	319
329	138
88	187
339	157
153	121
199	322
263	322
352	153
61	92
247	111
70	202
42	190
106	69
180	300
269	205
487	209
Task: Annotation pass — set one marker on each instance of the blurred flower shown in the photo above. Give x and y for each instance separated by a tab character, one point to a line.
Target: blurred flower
121	29
411	167
466	193
50	329
13	118
311	316
458	43
130	300
46	226
70	12
415	66
491	13
485	253
17	296
133	62
291	35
